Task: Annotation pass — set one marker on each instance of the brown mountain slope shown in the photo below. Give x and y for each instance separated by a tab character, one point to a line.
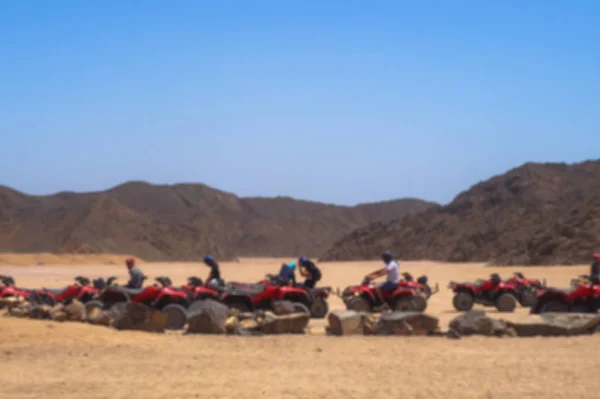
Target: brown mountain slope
534	214
180	222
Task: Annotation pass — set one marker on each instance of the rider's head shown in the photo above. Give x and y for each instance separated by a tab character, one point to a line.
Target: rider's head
292	265
130	262
303	260
387	256
209	260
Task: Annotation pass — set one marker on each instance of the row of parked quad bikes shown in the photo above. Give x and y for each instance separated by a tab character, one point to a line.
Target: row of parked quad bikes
410	295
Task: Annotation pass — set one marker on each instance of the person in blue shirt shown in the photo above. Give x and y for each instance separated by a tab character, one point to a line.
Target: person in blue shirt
287	273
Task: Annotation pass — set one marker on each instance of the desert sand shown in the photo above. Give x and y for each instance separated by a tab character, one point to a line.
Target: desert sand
43	359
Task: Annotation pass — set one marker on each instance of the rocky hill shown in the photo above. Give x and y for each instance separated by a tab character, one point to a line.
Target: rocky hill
180	222
532	215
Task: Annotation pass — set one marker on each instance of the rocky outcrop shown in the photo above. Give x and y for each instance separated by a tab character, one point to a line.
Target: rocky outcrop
207	317
406	323
137	316
476	322
556	324
348	322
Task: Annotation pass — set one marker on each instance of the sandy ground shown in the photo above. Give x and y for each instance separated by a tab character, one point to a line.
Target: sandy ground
44	359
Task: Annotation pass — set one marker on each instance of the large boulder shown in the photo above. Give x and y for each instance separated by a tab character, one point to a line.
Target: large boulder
137	316
476	322
75	311
207	317
346	322
295	323
406	323
283	307
99	316
40	312
556	324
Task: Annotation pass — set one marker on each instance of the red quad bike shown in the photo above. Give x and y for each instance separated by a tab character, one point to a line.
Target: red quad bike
492	292
525	288
250	297
196	290
9	289
363	298
82	290
169	300
583	299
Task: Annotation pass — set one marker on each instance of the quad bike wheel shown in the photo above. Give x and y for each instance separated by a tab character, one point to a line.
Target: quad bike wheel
299	307
419	303
463	301
554	306
506	303
358	304
319	308
404	305
176	316
528	298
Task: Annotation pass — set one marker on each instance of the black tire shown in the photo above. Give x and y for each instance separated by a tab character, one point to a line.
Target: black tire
554	306
300	308
419	302
463	301
358	304
176	316
319	308
404	304
506	303
89	305
528	298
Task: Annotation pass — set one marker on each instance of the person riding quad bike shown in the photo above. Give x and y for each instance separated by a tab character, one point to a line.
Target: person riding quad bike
136	277
391	271
287	274
214	277
310	271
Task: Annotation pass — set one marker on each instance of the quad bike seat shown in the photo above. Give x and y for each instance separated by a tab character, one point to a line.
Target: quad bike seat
250	289
54	291
128	291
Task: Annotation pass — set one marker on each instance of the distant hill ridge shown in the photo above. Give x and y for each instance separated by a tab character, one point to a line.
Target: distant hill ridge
181	222
536	214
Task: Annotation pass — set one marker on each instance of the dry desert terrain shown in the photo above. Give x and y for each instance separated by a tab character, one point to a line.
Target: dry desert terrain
43	359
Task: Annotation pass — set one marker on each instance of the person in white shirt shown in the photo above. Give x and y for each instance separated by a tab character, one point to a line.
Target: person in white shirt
391	271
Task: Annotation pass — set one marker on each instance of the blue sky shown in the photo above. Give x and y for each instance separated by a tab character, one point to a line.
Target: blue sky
342	102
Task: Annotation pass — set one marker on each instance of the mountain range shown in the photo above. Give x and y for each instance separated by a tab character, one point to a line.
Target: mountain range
181	222
536	214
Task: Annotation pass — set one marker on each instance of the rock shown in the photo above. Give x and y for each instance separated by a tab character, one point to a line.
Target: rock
285	324
249	324
11	301
19	311
346	322
406	323
283	307
40	312
556	324
75	311
475	322
137	316
98	316
452	334
58	308
207	317
59	316
232	324
246	316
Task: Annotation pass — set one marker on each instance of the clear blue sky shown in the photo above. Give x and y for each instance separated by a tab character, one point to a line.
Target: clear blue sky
337	101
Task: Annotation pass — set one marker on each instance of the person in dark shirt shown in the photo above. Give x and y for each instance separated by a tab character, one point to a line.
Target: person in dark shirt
595	269
310	271
287	273
136	277
214	277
